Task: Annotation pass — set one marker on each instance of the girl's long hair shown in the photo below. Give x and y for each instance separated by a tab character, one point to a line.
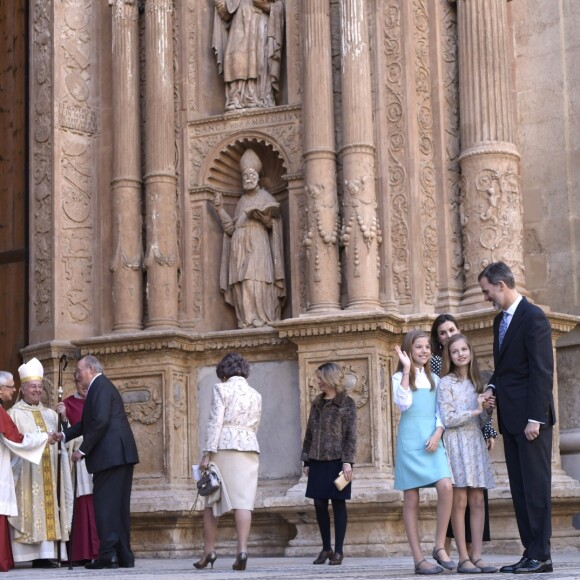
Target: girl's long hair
436	346
448	367
408	342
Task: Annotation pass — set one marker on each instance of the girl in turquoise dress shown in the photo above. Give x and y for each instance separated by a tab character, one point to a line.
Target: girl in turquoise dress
420	459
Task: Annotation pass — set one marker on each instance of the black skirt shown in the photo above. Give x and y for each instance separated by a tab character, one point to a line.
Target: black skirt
321	476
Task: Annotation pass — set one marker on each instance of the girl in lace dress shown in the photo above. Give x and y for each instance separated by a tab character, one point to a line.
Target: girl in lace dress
461	404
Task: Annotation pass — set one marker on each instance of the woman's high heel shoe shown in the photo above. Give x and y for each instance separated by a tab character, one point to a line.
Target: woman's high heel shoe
206	559
241	561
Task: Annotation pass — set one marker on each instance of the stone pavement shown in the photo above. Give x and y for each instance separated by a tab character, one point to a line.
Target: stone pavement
567	566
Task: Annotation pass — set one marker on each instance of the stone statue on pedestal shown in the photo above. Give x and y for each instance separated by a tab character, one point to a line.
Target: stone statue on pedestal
252	267
247	40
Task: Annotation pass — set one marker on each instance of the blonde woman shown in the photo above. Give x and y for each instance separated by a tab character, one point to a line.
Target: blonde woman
329	448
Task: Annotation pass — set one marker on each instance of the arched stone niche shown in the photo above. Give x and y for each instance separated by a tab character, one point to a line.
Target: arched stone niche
224	173
220	173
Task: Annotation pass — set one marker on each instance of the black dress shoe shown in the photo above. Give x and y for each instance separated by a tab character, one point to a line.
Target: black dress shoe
510	568
45	563
127	564
323	556
534	567
101	563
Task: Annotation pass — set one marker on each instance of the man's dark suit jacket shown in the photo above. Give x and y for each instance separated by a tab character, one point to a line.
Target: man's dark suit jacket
524	370
107	437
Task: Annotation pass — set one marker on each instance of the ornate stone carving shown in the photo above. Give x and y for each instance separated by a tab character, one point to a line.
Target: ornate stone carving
397	147
425	147
491	208
362	267
315	215
321	239
452	140
197	259
78	123
42	180
142	398
491	216
281	130
179	391
162	260
359	219
247	39
192	56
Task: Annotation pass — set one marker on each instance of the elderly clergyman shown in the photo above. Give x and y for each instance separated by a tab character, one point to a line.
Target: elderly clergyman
30	447
40	523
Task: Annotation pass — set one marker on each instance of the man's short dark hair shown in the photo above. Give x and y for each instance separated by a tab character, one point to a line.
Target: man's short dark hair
498	272
233	365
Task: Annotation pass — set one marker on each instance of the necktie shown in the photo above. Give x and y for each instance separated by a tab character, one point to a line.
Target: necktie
503	326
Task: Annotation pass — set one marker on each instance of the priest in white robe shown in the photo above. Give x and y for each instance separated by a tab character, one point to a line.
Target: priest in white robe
41	524
28	447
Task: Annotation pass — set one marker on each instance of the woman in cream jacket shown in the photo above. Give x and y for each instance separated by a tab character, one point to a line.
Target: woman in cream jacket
232	445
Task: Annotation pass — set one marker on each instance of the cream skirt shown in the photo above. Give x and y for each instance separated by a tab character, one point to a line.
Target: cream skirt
239	471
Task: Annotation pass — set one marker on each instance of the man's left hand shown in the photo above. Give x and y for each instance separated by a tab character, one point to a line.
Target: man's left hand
532	431
77	456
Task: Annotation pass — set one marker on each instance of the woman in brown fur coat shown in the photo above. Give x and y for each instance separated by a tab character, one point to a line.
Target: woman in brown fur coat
329	448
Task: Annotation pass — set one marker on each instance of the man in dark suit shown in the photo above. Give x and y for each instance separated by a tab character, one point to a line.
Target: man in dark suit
522	383
110	451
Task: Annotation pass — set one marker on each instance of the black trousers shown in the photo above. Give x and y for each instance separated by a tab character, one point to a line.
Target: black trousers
112	500
529	466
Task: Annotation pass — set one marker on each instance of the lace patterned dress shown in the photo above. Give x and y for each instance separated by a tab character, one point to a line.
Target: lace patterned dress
464	442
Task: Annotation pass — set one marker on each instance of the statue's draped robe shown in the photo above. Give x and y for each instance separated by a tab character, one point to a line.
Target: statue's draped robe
249	46
252	268
39	523
29	447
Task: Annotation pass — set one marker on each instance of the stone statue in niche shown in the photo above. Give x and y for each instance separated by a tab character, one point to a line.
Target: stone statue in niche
247	40
252	267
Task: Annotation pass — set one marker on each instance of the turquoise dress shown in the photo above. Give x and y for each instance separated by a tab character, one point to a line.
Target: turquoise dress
414	466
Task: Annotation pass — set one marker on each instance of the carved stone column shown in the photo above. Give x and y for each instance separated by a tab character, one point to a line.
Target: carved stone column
162	259
361	233
64	133
126	184
491	205
322	233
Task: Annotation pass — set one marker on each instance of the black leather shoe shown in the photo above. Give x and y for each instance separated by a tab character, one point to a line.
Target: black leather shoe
101	563
323	556
534	567
510	568
127	564
45	563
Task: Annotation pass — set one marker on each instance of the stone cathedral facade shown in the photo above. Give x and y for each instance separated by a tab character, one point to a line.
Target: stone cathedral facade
406	143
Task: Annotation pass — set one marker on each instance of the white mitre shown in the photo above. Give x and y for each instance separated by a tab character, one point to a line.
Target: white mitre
31	371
